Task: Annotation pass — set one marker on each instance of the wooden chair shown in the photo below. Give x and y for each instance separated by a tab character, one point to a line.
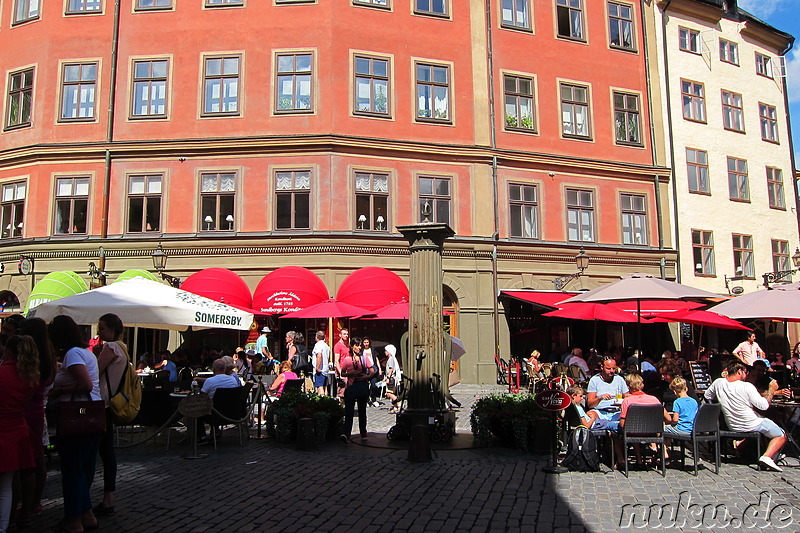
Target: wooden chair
706	429
644	424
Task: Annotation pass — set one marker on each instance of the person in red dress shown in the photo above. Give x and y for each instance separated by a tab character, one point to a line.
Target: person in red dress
19	377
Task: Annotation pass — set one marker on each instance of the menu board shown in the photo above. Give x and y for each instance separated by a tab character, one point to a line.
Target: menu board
700	375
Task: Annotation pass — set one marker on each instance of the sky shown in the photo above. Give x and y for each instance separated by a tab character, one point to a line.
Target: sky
785	16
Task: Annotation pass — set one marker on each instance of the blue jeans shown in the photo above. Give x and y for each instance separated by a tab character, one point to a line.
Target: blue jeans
78	456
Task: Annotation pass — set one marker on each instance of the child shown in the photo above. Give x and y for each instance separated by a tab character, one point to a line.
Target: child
681	420
576	394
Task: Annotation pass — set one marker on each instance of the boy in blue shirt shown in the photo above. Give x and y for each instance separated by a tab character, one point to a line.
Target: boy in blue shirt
681	420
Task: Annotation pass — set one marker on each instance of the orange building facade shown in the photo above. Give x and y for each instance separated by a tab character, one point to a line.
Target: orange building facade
256	134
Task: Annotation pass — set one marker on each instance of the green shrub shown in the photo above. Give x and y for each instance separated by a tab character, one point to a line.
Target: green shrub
509	420
282	416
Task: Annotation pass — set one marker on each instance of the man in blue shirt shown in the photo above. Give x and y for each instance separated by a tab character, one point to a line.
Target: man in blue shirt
166	364
605	393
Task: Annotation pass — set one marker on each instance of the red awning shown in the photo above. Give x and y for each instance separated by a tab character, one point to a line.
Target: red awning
548	299
288	289
220	285
372	288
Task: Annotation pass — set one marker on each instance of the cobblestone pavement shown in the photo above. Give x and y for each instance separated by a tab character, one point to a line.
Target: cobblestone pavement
266	486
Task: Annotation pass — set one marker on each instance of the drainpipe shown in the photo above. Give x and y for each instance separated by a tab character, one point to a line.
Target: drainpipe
495	201
671	140
791	144
112	93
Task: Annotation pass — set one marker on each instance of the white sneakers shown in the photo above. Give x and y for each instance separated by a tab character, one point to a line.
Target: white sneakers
767	461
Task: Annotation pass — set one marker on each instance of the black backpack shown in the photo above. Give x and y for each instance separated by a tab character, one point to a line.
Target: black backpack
582	453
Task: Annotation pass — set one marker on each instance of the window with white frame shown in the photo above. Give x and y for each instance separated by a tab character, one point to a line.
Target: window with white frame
732	111
434	199
371	85
703	252
433	92
697	171
763	65
293	199
634	218
620	25
25	10
524	210
219	3
575	110
728	52
150	88
580	215
12	209
374	3
516	14
689	40
372	201
20	98
693	97
569	19
775	188
294	82
221	85
519	105
78	91
72	205
627	123
76	7
768	115
780	256
738	185
743	256
217	201
144	203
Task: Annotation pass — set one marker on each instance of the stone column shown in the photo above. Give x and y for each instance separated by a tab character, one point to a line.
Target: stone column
426	353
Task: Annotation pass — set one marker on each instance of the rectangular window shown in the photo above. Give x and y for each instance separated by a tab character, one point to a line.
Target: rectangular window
738	186
743	256
372	201
144	203
689	40
516	14
775	188
524	210
763	65
575	110
216	3
580	215
25	10
728	52
84	6
780	257
217	200
78	90
433	92
732	111
150	88
703	248
569	17
153	4
372	86
434	200
627	126
634	218
12	209
376	3
293	199
697	171
519	103
20	98
221	85
72	205
294	82
694	100
620	26
432	7
769	122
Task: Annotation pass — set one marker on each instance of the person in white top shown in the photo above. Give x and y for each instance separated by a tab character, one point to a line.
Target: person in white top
321	358
577	359
739	399
749	350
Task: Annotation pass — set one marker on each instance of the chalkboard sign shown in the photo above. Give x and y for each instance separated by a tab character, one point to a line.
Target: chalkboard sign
700	376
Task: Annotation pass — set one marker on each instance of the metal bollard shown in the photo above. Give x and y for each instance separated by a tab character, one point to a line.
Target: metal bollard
419	446
306	437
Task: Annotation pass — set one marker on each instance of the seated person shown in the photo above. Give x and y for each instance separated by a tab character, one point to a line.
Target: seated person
165	364
759	376
230	368
257	367
680	419
286	373
576	394
533	364
604	390
220	380
636	397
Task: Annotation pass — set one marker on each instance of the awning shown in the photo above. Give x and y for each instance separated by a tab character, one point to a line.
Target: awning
136	273
652	308
372	288
221	285
288	289
547	299
53	286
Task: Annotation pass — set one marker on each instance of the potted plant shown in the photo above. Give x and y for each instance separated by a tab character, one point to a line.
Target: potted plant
510	420
283	414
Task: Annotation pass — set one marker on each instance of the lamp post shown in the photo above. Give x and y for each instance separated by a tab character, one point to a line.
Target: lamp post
772	277
582	262
160	263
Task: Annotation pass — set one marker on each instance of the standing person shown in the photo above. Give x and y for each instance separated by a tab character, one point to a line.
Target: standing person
165	364
111	364
321	358
19	377
291	349
77	377
749	350
739	400
359	373
392	377
262	344
340	350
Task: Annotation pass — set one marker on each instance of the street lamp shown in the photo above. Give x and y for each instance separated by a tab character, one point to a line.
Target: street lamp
772	277
582	262
160	263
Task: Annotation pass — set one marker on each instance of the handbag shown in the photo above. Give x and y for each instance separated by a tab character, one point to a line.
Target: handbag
81	417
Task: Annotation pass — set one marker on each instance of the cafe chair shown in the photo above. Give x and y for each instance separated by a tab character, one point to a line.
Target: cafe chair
726	433
574	372
502	370
231	408
157	410
644	424
706	429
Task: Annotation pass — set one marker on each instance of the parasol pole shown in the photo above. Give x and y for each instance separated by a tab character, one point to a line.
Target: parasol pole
639	326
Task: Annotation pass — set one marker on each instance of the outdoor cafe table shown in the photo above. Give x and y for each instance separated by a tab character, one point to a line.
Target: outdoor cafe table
792	407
